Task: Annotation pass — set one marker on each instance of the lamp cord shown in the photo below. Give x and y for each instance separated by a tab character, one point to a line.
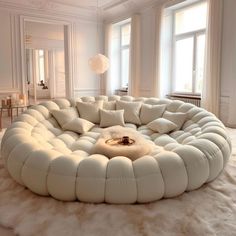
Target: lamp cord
97	27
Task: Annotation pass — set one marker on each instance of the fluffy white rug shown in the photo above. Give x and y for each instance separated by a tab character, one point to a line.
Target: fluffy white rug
140	147
210	210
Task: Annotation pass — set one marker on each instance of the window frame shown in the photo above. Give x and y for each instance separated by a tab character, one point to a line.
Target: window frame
181	36
123	47
41	57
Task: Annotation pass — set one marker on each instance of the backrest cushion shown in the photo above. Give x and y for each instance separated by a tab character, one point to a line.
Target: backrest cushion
131	111
111	118
63	116
149	113
111	105
90	110
177	118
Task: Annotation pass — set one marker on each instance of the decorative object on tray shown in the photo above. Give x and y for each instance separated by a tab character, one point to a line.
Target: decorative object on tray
125	140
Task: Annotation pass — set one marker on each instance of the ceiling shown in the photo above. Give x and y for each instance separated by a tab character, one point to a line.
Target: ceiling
84	8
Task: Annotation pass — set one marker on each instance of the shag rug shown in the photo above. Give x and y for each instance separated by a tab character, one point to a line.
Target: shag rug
210	210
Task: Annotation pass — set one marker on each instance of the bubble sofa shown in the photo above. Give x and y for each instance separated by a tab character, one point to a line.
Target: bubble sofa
38	154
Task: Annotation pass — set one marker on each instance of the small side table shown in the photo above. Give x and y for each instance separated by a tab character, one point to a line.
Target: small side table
10	109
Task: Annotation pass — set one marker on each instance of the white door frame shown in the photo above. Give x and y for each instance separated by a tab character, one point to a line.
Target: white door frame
68	42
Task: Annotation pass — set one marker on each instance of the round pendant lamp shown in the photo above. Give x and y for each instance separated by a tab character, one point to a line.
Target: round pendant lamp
98	63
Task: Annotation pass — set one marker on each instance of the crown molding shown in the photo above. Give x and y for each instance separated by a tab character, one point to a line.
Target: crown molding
60	11
108	11
131	9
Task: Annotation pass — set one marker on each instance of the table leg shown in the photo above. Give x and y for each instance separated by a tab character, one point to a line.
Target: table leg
0	119
17	111
11	114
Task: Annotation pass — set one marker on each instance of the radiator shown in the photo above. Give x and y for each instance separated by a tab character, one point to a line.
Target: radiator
189	99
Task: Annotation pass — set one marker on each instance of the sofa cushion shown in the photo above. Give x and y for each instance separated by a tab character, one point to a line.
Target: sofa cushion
63	116
131	111
78	125
162	125
177	118
90	110
149	113
111	118
111	105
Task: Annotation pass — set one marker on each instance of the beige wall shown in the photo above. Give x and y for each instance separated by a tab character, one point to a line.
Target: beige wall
8	81
228	67
83	47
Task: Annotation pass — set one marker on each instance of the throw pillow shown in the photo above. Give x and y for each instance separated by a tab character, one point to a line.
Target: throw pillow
111	105
111	118
149	113
177	118
131	111
90	110
162	125
63	116
78	125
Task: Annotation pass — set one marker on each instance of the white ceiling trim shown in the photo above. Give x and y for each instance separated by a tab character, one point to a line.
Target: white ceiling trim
82	9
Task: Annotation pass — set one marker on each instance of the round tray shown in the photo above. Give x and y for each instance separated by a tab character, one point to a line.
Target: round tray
118	141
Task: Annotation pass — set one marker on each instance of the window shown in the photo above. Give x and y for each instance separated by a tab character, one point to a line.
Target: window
189	48
41	65
124	53
119	50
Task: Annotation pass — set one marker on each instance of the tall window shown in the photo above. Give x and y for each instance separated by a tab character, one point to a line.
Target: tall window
41	65
124	53
189	48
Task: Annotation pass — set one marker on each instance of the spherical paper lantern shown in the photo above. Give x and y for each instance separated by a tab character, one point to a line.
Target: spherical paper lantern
99	64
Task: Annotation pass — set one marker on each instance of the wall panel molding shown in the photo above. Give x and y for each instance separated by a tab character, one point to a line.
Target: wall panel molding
86	92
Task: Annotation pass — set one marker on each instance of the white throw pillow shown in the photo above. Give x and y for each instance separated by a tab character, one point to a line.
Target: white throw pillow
177	118
111	105
149	113
111	118
131	111
90	110
162	125
63	116
78	125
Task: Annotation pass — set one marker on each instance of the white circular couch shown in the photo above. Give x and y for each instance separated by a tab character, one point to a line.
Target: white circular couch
50	161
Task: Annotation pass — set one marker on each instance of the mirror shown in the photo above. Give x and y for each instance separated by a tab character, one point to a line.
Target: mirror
45	61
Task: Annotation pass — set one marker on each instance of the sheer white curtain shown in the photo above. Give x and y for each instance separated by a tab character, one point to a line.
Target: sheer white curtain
107	79
135	47
211	83
159	24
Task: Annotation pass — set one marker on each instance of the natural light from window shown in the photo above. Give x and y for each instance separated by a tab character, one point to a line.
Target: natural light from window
41	65
189	45
191	18
125	42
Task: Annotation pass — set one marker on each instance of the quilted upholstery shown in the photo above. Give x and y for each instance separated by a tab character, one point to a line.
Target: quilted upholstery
50	161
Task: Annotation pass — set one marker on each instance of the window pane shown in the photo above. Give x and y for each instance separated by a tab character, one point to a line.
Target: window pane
41	65
191	18
200	57
184	65
125	67
125	34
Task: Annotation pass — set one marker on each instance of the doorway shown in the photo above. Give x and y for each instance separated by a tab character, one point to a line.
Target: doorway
46	57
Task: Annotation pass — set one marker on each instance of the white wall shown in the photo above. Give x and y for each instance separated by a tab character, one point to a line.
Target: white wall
147	52
228	68
86	82
7	79
83	46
